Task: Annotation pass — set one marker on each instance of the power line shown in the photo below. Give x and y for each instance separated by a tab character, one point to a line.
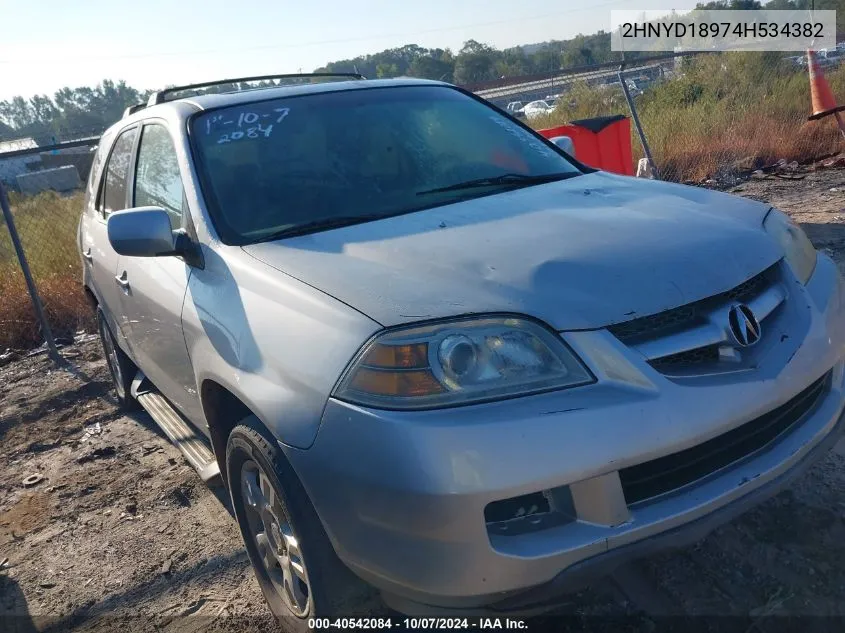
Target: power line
214	51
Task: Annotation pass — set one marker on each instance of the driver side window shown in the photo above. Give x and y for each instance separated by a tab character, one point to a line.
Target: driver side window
158	182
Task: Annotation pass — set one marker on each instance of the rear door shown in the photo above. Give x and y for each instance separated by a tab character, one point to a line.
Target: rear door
108	194
155	287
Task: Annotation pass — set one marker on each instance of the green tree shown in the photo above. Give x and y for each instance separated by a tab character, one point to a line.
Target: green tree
432	67
475	62
514	62
547	59
70	112
387	70
17	113
588	49
733	5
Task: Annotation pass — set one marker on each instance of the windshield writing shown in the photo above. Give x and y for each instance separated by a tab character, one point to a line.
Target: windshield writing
274	165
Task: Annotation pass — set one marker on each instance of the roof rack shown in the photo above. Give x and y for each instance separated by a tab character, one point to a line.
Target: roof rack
161	95
133	109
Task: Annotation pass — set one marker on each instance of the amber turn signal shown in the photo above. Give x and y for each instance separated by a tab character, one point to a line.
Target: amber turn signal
413	356
395	383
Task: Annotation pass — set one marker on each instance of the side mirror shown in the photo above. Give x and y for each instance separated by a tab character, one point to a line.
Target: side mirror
142	232
565	143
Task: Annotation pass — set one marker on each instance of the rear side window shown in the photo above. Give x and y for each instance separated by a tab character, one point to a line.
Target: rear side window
157	179
117	172
94	175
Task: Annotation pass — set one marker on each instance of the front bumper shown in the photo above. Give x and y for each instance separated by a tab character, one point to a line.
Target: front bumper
579	574
403	494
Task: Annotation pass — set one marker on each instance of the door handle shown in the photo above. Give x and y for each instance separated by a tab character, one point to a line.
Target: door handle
122	281
87	255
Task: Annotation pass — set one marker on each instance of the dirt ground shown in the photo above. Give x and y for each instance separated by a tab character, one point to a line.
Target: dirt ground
116	531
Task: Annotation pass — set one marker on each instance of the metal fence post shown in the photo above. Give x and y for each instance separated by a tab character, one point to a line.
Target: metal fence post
633	108
52	350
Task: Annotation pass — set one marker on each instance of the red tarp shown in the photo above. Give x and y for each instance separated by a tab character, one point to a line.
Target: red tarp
603	142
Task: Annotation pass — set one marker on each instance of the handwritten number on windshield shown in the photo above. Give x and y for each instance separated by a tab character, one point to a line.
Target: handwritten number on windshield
252	132
239	122
283	112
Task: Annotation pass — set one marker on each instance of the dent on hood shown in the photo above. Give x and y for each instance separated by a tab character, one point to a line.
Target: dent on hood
629	248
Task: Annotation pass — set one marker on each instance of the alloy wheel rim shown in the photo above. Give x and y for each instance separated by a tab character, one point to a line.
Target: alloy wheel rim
279	550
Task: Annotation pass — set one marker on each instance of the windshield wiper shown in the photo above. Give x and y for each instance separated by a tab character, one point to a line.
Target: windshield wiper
318	225
518	180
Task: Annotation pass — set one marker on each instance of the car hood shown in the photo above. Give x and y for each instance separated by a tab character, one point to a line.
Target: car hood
582	253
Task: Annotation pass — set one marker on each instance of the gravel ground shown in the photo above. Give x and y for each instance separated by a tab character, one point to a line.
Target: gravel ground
120	526
114	529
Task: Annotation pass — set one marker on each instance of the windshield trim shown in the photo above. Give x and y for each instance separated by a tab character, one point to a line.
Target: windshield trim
230	238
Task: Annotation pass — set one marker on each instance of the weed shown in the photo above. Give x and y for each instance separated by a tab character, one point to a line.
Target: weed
728	111
47	226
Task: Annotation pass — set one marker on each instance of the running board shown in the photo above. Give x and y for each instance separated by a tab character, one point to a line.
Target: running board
193	446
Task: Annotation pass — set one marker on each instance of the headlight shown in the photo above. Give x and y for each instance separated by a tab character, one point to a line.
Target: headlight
459	362
797	248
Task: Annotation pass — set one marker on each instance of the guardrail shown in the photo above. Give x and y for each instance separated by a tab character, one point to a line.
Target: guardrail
83	142
556	82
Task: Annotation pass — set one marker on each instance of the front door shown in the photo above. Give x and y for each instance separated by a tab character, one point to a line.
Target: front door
155	287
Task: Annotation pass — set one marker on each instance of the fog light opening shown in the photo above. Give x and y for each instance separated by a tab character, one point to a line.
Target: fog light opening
530	513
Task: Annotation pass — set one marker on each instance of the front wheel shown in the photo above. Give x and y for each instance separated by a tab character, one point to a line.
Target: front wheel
296	566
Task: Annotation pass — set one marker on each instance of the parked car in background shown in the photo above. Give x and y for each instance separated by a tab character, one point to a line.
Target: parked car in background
537	108
430	353
514	106
633	89
830	57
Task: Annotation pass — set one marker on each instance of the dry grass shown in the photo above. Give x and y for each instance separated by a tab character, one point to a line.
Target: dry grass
734	111
47	227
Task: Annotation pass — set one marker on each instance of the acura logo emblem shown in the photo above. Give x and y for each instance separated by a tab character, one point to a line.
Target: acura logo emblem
743	325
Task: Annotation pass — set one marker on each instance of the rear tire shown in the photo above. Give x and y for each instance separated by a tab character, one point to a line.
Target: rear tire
121	368
280	527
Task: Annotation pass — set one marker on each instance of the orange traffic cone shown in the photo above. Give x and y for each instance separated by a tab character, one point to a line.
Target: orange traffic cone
824	102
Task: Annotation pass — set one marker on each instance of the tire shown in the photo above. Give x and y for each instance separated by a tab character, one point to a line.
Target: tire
121	368
257	469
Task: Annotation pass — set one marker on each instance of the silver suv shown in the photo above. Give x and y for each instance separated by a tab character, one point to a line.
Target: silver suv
430	353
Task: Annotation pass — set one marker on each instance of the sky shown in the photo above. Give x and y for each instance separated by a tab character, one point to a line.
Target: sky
48	44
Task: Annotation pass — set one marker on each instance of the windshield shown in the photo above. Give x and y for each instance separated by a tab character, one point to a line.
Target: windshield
270	166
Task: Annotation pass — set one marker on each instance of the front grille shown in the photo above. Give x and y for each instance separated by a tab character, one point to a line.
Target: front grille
689	315
706	354
674	471
656	324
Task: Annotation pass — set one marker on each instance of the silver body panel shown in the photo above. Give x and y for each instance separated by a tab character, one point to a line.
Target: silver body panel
427	514
402	495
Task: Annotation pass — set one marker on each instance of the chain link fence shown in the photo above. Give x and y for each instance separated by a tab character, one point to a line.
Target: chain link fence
708	118
44	185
